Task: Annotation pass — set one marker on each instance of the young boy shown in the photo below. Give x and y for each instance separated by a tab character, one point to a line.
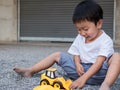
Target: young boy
92	52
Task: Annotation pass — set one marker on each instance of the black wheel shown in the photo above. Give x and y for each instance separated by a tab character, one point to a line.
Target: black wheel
58	84
44	82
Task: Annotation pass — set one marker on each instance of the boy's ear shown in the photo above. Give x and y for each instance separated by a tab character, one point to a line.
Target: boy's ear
99	24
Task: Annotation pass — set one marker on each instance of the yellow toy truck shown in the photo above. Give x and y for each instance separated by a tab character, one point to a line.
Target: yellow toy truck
49	78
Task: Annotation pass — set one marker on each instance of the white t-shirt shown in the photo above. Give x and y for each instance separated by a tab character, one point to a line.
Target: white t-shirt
89	52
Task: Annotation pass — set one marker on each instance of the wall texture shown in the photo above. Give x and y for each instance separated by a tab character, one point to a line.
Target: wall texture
8	20
117	32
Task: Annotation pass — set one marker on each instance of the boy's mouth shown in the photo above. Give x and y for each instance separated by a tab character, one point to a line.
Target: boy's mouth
89	37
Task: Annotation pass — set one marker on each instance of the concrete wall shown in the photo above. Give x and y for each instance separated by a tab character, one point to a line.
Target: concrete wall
117	33
8	20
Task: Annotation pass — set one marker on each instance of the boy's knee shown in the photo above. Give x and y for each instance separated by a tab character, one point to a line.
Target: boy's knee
115	58
116	55
57	56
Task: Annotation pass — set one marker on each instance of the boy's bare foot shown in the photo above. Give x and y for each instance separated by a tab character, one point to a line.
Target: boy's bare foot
104	87
25	72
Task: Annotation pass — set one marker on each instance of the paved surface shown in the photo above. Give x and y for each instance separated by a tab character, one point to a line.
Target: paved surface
25	55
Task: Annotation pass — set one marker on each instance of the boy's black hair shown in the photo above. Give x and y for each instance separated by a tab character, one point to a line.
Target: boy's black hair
87	10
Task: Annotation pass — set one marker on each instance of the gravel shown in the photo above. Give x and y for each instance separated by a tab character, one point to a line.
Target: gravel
25	55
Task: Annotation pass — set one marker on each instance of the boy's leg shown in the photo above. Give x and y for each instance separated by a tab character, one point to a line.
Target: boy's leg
43	64
113	72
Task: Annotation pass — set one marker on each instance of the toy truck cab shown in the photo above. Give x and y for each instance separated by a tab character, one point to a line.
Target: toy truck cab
50	78
51	73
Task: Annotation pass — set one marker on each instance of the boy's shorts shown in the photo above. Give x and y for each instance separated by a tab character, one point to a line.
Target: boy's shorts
67	63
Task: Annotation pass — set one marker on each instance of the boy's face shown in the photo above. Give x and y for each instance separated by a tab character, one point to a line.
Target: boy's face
88	29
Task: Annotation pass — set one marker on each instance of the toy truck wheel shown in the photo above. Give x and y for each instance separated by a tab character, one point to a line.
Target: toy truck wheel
44	82
58	85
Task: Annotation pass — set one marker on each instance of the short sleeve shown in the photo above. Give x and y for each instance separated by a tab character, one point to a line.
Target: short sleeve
74	47
106	48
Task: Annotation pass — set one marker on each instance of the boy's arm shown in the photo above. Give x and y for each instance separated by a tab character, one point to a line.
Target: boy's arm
95	67
79	67
79	83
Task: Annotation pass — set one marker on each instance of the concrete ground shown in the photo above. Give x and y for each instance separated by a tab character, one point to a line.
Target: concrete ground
25	55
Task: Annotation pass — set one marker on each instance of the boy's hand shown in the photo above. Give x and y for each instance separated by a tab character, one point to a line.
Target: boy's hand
80	69
79	83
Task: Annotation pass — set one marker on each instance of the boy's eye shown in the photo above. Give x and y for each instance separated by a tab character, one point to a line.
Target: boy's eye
82	29
85	29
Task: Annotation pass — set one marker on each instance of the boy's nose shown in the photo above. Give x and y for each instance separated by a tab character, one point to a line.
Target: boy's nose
82	33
